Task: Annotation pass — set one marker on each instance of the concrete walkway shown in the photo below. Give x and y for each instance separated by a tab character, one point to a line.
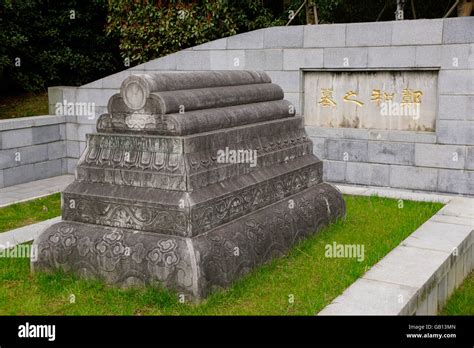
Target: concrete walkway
34	189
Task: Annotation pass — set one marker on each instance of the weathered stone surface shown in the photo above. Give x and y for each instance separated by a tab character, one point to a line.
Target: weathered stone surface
155	161
173	211
194	266
153	202
194	121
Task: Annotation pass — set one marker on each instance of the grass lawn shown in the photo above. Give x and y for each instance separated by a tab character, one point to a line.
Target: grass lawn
462	300
26	213
305	274
23	105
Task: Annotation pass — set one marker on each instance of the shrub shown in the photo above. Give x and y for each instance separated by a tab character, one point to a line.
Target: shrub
54	42
151	29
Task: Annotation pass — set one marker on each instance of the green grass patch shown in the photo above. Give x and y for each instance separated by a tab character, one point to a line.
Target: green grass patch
23	105
462	300
305	274
26	213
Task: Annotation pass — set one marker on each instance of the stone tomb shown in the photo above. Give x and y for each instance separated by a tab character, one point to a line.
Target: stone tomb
191	181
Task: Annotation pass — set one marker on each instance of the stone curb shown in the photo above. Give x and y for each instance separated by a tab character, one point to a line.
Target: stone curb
419	275
25	234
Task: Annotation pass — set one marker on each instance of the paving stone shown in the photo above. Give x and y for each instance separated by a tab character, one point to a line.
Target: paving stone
17	138
334	171
456	181
389	57
32	154
250	40
428	56
295	59
227	60
367	174
57	150
326	35
457	56
458	30
47	169
459	207
288	80
326	132
219	44
439	236
408	266
409	136
319	147
455	132
446	156
417	178
356	133
417	32
369	34
457	220
459	81
45	134
281	37
391	152
368	297
353	57
456	107
18	175
193	60
347	150
72	149
295	100
7	158
115	80
352	190
269	59
26	233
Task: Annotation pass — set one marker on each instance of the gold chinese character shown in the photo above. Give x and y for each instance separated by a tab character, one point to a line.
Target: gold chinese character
352	94
410	96
326	97
377	96
388	96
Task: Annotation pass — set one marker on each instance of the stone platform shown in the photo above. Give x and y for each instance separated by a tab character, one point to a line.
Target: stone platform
153	202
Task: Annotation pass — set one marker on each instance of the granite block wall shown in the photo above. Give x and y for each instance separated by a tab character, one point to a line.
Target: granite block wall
440	161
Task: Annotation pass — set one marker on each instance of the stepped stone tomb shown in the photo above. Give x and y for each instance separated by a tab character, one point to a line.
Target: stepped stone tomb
191	181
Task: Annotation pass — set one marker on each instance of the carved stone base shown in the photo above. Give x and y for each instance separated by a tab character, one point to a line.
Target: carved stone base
192	266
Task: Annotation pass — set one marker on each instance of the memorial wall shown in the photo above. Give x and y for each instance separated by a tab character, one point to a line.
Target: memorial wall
386	104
